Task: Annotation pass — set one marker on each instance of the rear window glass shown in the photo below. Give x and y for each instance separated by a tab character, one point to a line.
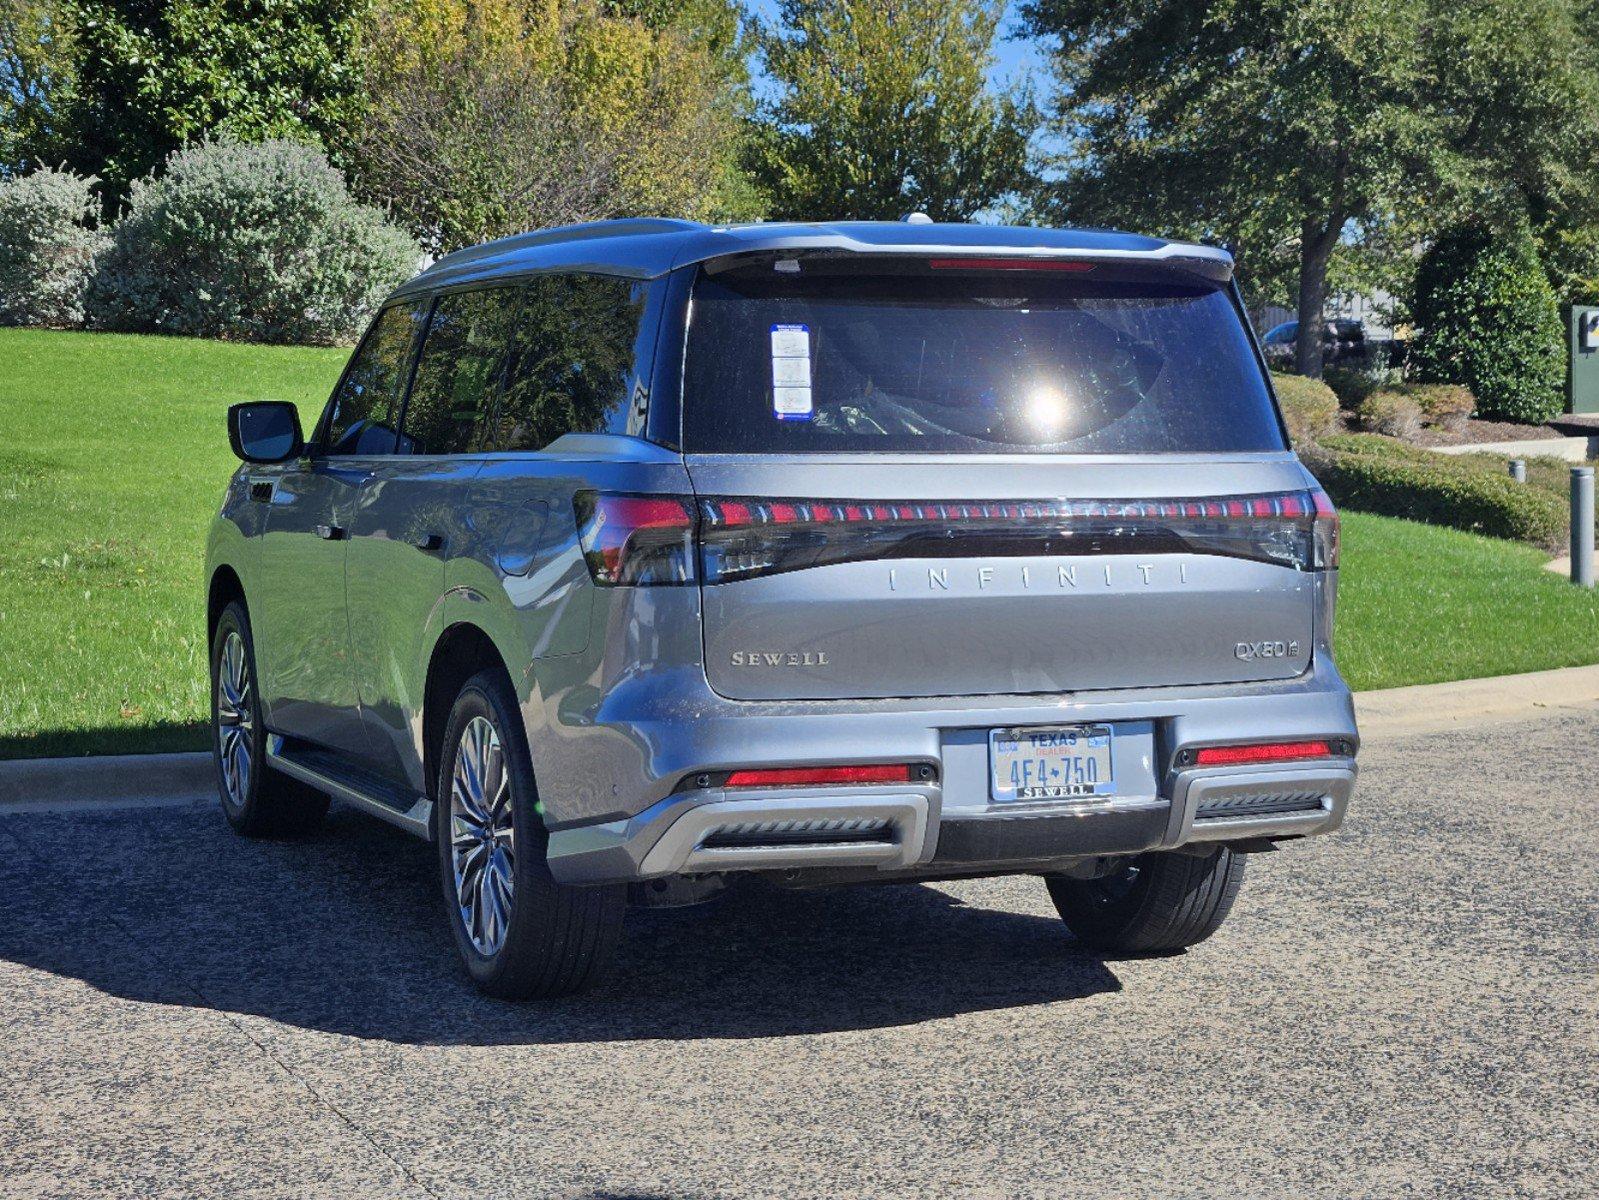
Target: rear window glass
781	360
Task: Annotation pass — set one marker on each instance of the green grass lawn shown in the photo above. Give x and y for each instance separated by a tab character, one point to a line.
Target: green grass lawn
113	452
1419	604
112	461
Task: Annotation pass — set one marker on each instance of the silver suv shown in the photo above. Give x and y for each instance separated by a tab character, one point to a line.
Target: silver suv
631	559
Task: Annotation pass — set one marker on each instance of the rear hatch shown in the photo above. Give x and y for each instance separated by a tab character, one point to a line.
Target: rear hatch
961	477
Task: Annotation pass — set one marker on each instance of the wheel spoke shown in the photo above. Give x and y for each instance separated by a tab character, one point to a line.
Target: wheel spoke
235	708
480	830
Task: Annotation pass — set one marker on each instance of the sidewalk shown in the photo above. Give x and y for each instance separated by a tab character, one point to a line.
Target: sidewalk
142	779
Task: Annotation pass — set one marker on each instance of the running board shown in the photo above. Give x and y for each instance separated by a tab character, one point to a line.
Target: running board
326	773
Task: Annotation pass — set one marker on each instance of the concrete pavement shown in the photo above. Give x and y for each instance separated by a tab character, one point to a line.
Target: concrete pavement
1409	1007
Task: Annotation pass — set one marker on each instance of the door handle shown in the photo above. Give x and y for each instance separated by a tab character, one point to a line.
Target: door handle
429	543
330	533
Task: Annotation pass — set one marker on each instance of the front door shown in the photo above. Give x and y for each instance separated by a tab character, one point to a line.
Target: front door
300	613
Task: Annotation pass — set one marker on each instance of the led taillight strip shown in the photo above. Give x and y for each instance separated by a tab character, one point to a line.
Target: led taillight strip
735	513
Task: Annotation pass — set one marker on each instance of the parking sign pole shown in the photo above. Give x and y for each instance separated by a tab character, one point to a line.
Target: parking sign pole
1582	526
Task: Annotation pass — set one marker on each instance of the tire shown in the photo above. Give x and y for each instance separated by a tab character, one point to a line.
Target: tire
556	939
1157	901
257	800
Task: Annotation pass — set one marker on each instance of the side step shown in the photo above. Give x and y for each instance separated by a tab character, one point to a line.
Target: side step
331	774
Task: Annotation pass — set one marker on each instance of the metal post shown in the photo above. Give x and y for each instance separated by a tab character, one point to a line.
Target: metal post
1582	526
1518	470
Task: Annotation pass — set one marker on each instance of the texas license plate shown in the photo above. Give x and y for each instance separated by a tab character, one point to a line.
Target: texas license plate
1050	762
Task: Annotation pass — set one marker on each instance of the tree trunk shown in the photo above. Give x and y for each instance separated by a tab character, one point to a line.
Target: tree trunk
1316	244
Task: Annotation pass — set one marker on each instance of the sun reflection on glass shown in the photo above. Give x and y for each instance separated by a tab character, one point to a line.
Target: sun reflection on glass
1045	409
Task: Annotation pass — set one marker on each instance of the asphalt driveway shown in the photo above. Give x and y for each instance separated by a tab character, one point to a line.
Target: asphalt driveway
1408	1008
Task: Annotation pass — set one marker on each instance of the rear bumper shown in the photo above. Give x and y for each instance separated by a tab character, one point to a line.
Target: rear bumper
905	833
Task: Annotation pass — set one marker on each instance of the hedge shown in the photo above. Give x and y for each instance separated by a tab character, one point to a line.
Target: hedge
1472	492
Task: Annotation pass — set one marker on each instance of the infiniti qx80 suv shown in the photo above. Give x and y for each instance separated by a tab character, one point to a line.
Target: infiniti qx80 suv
631	559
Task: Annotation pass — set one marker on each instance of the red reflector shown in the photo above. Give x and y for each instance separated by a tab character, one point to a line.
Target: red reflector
801	776
1223	756
1008	264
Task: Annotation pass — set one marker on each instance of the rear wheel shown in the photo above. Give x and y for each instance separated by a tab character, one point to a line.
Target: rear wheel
257	800
1157	901
521	934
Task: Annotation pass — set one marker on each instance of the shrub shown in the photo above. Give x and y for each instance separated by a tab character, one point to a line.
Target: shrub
1353	384
1390	413
1446	405
1489	320
253	242
1309	408
47	249
1470	492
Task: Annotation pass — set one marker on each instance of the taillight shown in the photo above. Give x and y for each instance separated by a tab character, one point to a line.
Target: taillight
1325	531
1260	752
819	776
634	540
743	538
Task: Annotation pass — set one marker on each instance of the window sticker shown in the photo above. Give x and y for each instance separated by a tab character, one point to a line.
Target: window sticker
791	372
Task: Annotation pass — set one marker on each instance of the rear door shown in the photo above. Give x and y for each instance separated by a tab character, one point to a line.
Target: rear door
411	517
952	478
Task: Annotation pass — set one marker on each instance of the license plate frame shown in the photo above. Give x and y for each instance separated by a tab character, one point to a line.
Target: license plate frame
1018	754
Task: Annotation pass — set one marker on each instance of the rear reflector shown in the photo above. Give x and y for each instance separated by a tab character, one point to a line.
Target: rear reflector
1226	756
820	776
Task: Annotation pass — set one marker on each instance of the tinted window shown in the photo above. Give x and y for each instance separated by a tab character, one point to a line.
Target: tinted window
458	373
361	416
953	360
572	358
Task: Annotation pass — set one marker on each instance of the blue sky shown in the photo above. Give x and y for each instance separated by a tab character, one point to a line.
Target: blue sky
1015	56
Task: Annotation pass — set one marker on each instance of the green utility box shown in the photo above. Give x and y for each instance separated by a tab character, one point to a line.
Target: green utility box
1582	353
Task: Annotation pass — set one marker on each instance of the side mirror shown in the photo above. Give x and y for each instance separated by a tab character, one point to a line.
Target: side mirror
265	431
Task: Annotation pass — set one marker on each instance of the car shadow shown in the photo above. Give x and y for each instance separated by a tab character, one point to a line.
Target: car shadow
344	933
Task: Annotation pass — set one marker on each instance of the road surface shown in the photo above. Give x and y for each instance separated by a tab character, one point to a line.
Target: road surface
1407	1008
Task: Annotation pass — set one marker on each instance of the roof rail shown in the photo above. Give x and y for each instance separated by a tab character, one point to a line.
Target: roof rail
628	227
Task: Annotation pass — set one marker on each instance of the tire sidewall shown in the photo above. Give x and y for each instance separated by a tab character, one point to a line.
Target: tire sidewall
487	695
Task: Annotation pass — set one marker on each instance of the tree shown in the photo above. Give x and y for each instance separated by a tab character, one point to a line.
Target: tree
155	75
496	117
1291	127
883	107
38	81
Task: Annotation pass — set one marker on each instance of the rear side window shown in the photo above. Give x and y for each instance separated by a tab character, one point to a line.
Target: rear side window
459	370
1095	359
572	361
363	412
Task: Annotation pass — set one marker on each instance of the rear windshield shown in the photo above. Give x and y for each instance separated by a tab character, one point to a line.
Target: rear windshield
786	358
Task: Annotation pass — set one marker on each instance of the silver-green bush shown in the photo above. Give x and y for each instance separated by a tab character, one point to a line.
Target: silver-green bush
47	248
257	242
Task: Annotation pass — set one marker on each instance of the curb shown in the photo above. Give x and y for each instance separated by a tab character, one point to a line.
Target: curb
1462	703
118	780
106	781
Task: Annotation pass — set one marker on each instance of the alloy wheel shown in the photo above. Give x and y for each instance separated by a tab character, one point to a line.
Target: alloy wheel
235	718
482	836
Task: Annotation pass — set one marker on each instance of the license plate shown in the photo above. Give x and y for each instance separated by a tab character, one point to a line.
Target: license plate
1050	762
